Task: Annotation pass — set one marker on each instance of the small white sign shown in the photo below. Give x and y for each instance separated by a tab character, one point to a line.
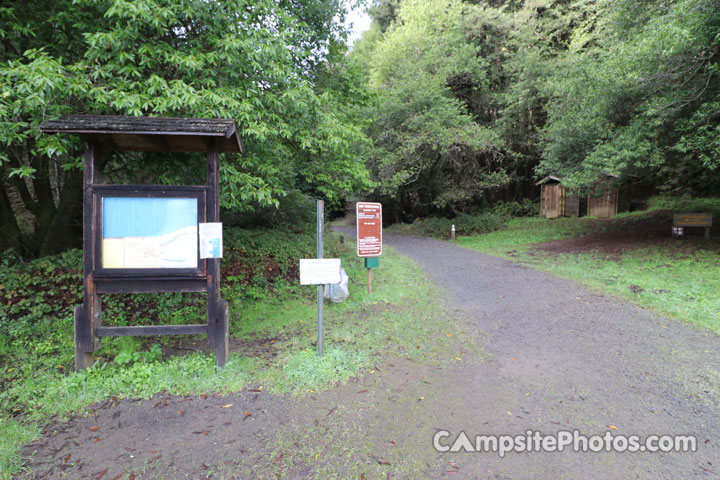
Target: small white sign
319	271
211	244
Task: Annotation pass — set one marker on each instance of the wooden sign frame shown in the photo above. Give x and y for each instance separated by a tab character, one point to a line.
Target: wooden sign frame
101	192
147	134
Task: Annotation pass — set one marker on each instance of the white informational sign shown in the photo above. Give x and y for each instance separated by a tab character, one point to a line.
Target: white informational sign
211	245
319	271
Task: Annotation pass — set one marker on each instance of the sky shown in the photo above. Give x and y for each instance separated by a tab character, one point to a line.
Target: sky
359	19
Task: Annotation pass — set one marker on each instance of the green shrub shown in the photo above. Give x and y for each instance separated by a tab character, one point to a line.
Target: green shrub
523	208
480	220
295	211
686	204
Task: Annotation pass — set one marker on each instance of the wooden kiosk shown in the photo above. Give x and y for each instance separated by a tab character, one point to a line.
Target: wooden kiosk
144	238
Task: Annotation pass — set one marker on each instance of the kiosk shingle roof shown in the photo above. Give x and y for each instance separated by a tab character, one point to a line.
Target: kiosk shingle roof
150	134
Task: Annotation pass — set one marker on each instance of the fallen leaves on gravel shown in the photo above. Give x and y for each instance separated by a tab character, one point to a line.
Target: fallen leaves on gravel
454	471
707	470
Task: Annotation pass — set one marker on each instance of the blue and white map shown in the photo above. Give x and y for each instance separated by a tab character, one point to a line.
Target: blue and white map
149	232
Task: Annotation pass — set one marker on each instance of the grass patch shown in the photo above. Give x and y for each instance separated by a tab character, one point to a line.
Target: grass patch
520	233
273	325
678	277
683	286
304	369
15	434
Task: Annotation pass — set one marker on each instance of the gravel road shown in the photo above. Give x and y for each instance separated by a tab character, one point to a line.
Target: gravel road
562	357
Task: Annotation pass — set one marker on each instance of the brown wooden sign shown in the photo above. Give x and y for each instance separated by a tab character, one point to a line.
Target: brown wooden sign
369	229
692	219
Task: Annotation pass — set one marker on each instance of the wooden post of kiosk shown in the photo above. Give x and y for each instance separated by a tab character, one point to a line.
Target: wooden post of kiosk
369	236
121	247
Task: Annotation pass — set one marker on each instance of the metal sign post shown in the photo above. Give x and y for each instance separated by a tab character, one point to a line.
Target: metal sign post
320	271
320	254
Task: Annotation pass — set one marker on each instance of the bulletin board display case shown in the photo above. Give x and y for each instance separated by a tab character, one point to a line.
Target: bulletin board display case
146	231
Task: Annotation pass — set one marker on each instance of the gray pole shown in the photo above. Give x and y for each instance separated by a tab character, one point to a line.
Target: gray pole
320	254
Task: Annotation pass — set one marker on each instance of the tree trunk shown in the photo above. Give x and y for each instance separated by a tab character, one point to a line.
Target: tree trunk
10	234
64	228
55	228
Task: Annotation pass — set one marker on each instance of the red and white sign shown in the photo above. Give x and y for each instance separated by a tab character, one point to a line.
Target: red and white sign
369	229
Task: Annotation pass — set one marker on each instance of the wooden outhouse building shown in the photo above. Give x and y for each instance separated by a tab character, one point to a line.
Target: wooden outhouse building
607	199
554	199
605	205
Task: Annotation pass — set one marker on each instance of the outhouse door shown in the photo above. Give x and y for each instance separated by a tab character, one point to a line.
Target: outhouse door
552	200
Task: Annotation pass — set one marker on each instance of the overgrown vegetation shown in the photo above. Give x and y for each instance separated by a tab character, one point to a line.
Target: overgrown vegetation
269	65
272	328
475	100
632	256
479	220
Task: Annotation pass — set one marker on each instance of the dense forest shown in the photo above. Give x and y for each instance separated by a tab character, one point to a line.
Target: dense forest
442	106
474	101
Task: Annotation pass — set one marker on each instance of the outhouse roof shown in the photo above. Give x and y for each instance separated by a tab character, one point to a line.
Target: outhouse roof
549	178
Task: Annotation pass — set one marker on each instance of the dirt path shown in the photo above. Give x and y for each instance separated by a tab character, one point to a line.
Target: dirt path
559	357
585	359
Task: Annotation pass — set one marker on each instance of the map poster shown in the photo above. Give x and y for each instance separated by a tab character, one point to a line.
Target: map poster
139	232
